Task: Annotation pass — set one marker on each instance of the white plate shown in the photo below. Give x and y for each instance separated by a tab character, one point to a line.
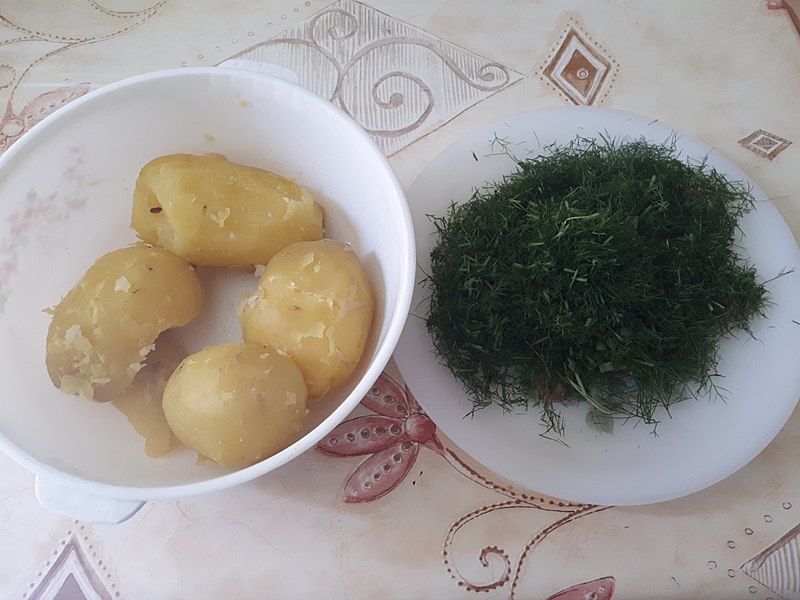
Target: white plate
706	440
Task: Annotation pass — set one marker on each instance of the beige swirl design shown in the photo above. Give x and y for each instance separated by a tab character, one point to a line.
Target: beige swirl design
396	80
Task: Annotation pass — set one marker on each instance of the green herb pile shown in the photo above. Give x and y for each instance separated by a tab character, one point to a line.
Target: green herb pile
602	271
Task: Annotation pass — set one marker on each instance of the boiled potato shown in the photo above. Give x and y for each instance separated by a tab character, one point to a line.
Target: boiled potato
214	212
315	303
236	403
104	328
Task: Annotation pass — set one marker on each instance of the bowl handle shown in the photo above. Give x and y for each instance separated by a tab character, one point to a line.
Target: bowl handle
81	505
261	67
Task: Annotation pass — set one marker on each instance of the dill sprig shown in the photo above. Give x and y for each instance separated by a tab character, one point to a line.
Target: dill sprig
605	271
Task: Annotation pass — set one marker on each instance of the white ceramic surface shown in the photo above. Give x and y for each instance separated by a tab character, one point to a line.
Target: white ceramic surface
705	440
67	189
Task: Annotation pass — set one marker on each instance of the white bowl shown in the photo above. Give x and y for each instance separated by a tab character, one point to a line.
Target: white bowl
67	187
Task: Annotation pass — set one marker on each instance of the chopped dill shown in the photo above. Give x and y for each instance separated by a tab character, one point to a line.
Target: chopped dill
603	271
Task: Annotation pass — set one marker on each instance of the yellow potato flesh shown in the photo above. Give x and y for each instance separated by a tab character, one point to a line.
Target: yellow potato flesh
214	212
315	303
140	402
105	326
236	403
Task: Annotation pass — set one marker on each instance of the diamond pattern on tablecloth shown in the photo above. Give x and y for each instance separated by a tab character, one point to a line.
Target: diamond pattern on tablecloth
396	80
777	567
765	144
578	68
70	576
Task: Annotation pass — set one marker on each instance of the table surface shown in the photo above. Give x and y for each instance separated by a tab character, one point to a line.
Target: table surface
724	71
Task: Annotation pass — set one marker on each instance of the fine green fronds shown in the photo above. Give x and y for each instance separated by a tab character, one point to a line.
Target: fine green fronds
603	271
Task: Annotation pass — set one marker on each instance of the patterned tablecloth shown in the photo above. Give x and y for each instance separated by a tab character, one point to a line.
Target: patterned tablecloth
725	71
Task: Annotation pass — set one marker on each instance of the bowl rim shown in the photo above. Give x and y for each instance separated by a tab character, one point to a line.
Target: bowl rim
397	309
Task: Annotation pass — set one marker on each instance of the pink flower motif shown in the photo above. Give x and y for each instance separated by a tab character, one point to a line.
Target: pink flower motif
18	228
7	269
77	203
13	125
393	437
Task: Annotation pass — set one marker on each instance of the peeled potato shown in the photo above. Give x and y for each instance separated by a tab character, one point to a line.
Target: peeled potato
104	328
214	212
315	303
236	403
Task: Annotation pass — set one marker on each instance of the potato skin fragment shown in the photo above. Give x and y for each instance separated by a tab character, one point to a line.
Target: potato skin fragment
315	303
236	403
214	212
106	325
